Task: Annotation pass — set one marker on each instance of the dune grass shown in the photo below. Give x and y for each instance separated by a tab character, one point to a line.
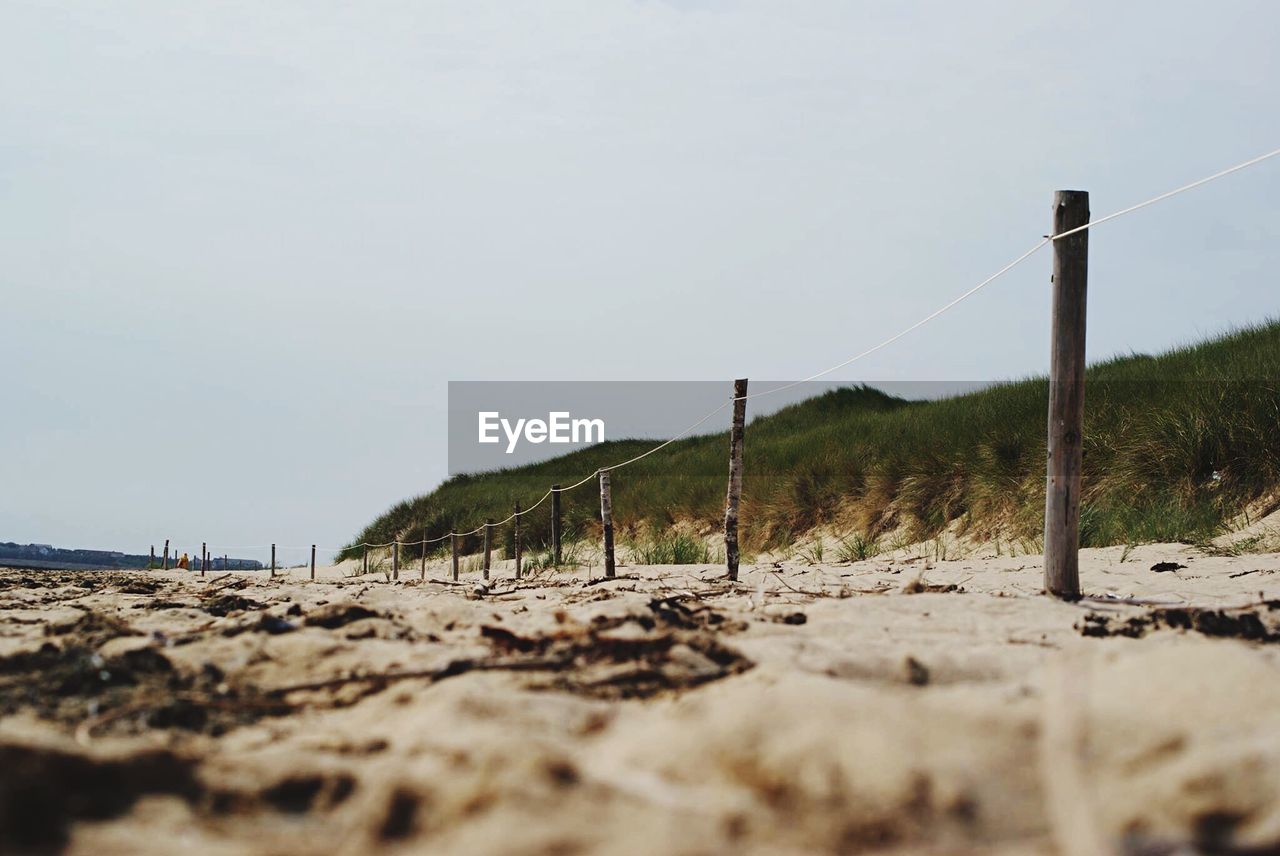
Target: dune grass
1175	445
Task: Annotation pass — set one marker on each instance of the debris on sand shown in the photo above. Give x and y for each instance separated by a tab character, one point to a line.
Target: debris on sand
1259	623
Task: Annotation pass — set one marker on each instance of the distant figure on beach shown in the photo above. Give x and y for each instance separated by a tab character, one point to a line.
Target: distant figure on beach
184	562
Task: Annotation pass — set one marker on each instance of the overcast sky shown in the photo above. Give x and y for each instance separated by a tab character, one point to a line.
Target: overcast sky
245	245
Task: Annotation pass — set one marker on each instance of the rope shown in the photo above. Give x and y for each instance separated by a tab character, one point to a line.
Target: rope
1048	239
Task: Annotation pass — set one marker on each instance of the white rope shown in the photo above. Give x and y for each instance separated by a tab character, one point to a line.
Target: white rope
1163	196
881	345
925	320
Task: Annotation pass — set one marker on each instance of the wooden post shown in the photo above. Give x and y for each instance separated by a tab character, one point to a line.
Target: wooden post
226	563
166	554
395	560
273	561
515	530
488	543
204	557
735	477
453	543
606	519
1066	397
423	574
313	561
555	525
366	558
152	564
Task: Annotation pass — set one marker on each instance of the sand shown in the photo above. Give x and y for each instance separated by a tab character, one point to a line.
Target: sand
895	705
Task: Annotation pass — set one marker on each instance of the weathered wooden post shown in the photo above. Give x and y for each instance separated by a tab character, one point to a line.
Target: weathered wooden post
366	558
488	544
515	533
1066	396
273	561
556	523
422	575
735	477
204	557
395	560
152	564
166	554
313	561
453	544
606	519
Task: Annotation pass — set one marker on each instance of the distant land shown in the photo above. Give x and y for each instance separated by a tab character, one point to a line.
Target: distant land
46	556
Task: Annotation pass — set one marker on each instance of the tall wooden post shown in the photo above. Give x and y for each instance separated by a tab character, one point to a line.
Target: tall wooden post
556	523
488	544
395	560
366	558
515	534
226	563
166	554
313	561
606	519
735	477
273	561
152	563
422	575
1066	397
204	557
453	543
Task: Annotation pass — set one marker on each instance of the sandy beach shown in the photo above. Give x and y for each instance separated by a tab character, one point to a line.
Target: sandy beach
895	705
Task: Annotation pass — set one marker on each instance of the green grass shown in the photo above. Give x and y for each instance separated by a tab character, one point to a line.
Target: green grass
1175	445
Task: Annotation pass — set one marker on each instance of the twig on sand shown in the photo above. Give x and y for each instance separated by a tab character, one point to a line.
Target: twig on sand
451	669
597	582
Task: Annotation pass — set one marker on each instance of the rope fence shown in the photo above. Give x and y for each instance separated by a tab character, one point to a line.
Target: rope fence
1066	408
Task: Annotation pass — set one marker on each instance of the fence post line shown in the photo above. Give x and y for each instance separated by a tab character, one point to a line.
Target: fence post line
273	561
556	523
313	561
204	557
735	477
166	554
488	529
453	544
1066	396
395	560
606	520
515	530
423	573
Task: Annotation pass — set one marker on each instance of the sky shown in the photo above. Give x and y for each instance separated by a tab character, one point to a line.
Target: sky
245	246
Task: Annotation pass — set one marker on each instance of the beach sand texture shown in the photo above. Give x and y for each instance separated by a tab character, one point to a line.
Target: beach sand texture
892	705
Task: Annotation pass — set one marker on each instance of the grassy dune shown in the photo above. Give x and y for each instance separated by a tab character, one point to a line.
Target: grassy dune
1175	445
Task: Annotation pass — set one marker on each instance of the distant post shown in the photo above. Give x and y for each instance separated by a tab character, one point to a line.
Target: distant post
273	561
453	543
152	563
488	544
735	477
204	557
555	525
313	561
226	563
395	560
166	554
423	573
515	533
606	519
1066	397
